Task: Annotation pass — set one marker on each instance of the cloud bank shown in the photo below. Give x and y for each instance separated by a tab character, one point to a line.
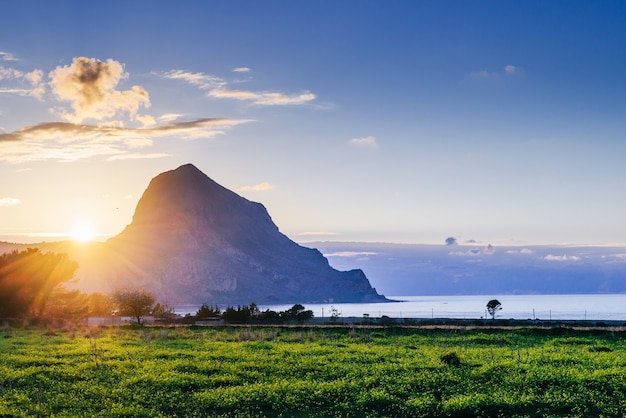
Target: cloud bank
63	141
563	257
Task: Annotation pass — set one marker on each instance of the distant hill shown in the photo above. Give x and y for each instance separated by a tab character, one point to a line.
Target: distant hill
193	241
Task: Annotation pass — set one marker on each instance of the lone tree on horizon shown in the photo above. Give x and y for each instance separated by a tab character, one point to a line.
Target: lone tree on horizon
493	306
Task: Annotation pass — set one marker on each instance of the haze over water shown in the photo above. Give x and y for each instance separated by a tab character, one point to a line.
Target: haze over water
542	307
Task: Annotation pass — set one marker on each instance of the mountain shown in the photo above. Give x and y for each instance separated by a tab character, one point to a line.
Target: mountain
192	241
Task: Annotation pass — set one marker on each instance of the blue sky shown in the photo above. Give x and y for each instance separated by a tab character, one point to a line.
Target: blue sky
400	121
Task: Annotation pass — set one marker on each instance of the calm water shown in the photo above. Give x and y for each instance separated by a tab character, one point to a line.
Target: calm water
570	307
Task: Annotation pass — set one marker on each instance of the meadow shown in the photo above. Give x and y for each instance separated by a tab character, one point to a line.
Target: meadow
264	371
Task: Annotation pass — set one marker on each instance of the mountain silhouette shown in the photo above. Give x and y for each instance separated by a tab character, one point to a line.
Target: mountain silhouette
192	240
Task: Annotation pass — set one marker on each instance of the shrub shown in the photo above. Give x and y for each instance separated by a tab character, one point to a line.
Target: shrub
451	359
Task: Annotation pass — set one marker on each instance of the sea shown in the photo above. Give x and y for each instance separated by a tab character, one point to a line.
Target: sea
596	307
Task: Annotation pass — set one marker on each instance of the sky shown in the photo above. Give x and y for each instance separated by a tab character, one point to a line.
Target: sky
376	121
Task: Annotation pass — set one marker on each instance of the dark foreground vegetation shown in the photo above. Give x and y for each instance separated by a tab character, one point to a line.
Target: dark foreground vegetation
298	371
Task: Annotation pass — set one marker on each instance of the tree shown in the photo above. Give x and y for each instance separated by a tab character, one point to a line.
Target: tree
100	304
239	315
67	305
28	278
297	313
269	317
134	301
334	314
164	312
493	306
207	311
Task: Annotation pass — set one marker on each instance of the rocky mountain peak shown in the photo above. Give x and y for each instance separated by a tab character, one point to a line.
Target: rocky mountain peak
195	241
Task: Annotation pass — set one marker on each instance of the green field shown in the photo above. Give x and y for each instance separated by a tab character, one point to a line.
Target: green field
312	372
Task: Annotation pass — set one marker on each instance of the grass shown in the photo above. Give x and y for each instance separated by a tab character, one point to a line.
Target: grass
312	372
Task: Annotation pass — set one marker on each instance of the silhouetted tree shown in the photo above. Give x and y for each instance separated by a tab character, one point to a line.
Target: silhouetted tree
134	301
493	306
207	311
297	313
252	313
269	317
239	315
28	278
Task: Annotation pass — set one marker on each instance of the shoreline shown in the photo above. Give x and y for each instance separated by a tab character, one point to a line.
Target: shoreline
469	323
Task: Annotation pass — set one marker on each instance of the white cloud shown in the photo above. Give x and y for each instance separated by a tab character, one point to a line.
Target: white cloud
261	187
483	74
62	141
474	252
203	81
218	88
146	120
522	251
315	233
34	79
169	117
9	201
241	70
19	92
563	257
6	56
10	73
511	69
364	142
507	70
350	254
268	99
91	87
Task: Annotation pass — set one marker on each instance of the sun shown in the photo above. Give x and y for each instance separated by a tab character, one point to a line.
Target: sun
83	231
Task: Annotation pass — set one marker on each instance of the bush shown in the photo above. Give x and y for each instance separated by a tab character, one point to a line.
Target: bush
451	359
